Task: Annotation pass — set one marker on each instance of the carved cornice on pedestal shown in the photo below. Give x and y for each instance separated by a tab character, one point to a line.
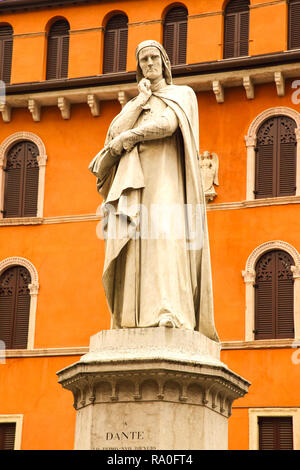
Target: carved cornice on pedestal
153	365
216	394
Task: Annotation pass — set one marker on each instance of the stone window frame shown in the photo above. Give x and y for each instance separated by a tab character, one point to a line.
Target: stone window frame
255	413
42	159
249	275
33	291
18	420
251	139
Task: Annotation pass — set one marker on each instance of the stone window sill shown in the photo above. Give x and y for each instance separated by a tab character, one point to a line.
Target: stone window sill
21	221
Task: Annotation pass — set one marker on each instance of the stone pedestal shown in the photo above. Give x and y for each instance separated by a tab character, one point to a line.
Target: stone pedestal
152	388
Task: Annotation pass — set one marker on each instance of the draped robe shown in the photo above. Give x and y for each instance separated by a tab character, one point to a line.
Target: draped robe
147	278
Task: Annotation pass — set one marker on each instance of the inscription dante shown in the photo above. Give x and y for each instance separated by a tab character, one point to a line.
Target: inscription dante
123	436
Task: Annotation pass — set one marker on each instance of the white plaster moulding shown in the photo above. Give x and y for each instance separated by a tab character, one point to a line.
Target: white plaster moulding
81	350
92	96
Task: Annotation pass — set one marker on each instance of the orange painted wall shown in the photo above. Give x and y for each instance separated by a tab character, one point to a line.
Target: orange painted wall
275	383
268	29
29	387
69	256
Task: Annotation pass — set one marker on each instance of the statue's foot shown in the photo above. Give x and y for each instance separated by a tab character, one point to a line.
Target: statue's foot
167	322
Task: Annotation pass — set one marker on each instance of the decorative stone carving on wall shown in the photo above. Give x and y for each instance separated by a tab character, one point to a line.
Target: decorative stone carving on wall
209	164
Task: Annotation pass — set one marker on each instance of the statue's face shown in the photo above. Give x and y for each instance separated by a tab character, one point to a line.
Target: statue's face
151	63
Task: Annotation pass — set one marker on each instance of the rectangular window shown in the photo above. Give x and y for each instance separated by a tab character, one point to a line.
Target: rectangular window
275	433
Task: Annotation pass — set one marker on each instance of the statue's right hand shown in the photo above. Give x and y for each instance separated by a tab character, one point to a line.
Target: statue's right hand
145	89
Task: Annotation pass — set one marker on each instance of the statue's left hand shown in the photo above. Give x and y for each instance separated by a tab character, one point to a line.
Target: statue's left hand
126	140
116	146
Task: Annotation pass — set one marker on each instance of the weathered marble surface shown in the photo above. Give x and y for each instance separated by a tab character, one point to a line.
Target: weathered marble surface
157	268
154	388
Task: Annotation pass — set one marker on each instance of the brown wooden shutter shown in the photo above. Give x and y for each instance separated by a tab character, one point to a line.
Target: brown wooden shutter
52	55
276	158
58	50
123	34
14	307
7	436
64	48
21	181
274	296
169	43
285	296
244	33
275	433
175	35
6	48
31	181
236	29
294	24
230	40
115	45
286	164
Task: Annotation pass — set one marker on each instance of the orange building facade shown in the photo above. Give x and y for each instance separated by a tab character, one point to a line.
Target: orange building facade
61	247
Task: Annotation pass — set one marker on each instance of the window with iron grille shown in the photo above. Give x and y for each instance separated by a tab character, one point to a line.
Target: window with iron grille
274	296
58	50
115	44
175	35
236	29
6	48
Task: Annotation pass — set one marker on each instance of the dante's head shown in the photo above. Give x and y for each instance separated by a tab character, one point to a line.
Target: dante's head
153	62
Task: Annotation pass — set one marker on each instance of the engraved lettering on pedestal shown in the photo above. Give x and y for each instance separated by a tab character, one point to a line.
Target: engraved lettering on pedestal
121	436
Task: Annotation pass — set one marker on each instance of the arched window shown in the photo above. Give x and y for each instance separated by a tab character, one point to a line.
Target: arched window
58	50
236	29
275	174
294	24
14	307
21	180
175	35
6	47
115	44
274	296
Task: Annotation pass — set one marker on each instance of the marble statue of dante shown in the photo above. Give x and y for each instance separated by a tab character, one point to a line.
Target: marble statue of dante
149	166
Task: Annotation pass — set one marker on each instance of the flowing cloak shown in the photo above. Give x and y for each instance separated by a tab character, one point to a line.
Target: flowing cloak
126	179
